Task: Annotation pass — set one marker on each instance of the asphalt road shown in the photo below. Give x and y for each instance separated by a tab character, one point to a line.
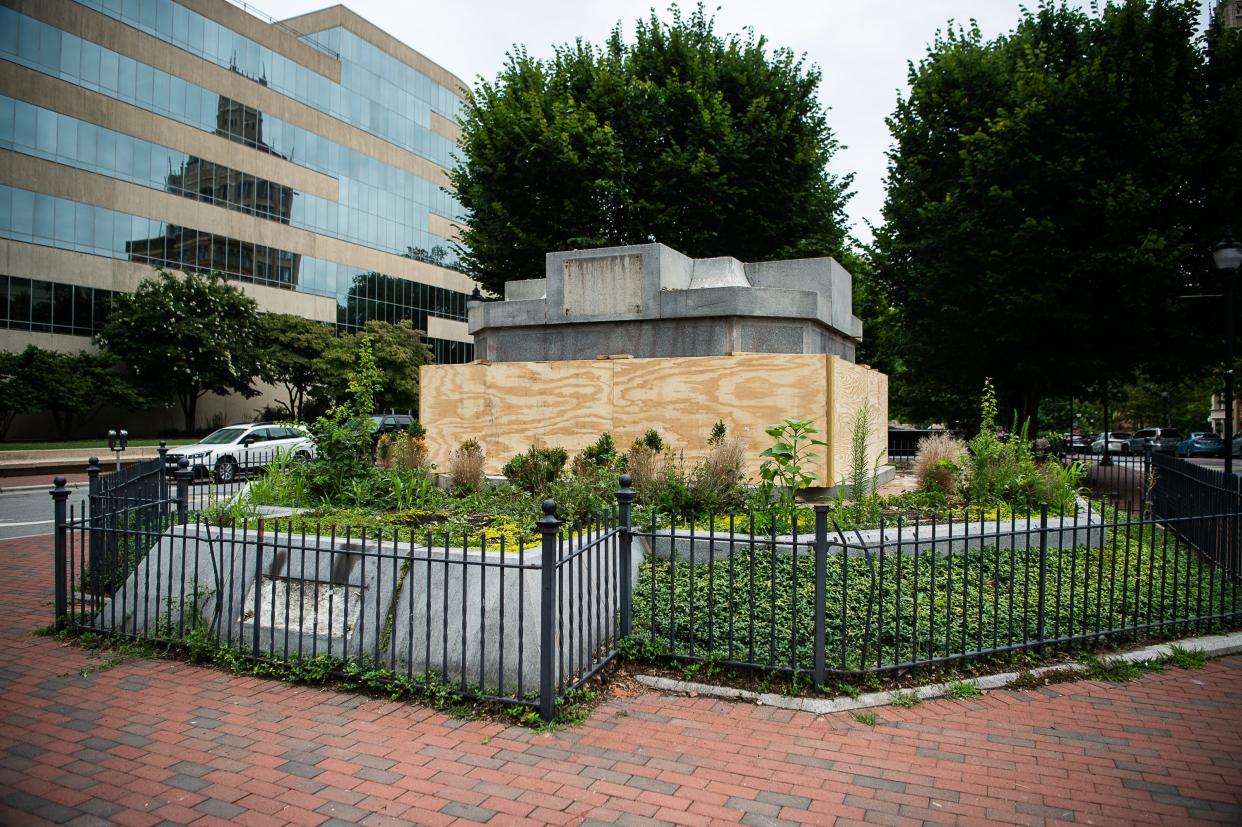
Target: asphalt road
29	513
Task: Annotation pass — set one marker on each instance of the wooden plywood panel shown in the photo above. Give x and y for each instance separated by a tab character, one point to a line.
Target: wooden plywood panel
509	407
512	405
852	385
683	397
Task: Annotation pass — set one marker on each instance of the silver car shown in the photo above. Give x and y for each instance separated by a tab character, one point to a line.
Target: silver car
1118	443
1162	440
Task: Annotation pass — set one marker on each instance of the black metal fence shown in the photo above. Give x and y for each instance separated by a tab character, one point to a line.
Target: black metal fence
916	593
488	619
903	443
1180	489
525	624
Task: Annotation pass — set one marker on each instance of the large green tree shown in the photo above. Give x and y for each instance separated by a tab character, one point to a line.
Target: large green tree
1052	195
186	335
288	349
711	144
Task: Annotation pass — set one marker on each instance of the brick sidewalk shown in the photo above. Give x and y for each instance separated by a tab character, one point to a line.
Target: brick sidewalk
148	741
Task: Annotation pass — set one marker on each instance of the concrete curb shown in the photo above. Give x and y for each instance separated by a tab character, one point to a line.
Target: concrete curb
1213	646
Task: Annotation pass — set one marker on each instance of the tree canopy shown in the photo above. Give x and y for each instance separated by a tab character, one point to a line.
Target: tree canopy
397	350
70	385
1053	193
186	335
711	144
288	349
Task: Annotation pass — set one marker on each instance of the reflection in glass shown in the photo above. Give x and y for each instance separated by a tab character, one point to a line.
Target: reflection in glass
27	304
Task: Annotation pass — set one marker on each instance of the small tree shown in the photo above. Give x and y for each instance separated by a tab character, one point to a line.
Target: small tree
17	394
70	385
398	350
184	336
288	350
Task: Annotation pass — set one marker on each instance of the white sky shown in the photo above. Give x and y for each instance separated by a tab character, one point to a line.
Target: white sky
862	47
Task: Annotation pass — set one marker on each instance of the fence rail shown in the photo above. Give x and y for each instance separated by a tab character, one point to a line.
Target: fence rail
527	625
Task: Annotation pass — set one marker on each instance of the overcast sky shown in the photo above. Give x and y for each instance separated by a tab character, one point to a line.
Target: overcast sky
862	47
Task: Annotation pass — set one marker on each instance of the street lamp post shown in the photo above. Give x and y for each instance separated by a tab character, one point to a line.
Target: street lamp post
1164	396
1228	257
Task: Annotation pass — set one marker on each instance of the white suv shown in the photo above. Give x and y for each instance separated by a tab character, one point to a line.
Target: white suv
237	449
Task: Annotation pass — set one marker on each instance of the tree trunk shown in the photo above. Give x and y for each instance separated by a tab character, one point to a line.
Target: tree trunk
189	409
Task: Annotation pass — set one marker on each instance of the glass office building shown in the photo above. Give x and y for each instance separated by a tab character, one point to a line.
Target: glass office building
305	159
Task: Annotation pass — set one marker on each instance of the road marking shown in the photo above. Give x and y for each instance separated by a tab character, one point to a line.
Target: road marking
19	525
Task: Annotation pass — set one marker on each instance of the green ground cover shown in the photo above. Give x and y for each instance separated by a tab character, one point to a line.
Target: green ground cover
759	607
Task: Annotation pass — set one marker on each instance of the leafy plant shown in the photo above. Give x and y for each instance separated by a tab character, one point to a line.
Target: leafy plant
789	459
905	699
964	689
1185	658
602	452
536	470
862	473
866	718
719	431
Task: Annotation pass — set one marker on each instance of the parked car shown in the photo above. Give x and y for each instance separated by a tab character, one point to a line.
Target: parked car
240	449
1118	443
1201	444
1164	440
389	424
1076	443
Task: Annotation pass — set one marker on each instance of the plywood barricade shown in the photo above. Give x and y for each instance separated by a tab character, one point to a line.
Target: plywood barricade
509	406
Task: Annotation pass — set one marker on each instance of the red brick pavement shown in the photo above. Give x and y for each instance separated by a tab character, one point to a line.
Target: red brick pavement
148	741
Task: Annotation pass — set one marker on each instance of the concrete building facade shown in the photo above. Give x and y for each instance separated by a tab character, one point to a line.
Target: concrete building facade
304	159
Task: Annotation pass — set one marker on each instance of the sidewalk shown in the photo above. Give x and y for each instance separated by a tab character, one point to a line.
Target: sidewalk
85	741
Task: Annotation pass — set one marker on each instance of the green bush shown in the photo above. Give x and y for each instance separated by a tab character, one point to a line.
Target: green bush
536	470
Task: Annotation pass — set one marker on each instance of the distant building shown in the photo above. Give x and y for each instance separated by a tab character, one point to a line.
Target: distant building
1216	419
305	159
1230	13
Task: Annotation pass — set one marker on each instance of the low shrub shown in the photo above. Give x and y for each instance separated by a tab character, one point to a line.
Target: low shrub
403	451
466	466
602	453
718	483
535	470
938	464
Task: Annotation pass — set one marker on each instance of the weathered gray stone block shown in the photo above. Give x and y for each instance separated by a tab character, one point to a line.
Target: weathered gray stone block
648	300
700	547
205	574
474	615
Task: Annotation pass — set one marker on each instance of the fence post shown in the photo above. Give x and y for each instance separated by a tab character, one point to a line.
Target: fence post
821	593
1043	572
548	527
183	475
163	478
625	502
95	552
60	495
